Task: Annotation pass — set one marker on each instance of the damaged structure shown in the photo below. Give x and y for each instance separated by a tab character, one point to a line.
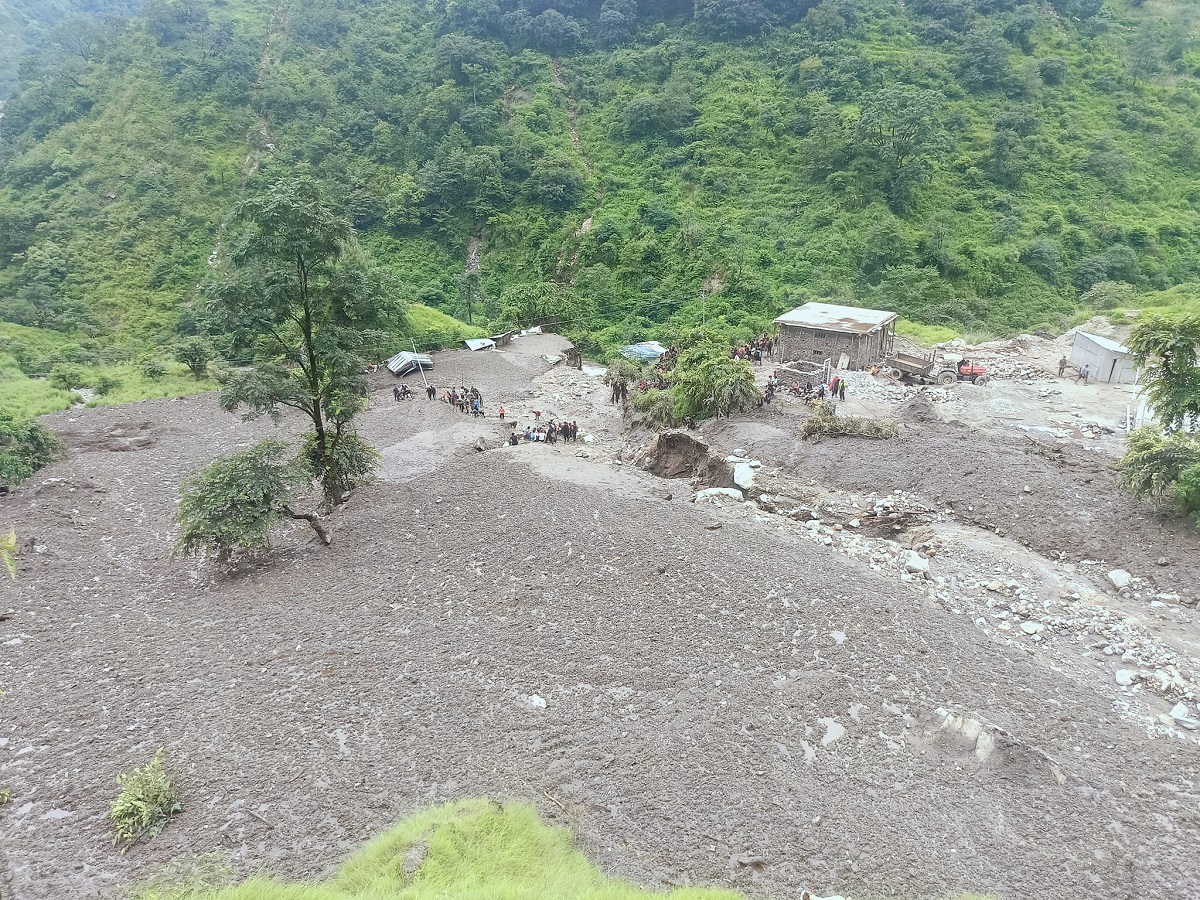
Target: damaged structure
849	336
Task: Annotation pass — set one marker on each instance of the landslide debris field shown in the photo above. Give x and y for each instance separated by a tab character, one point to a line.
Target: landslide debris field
858	679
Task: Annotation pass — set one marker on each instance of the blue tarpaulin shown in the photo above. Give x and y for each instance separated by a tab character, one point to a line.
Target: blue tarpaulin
646	351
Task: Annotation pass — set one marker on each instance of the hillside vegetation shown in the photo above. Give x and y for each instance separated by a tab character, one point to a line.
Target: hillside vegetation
628	169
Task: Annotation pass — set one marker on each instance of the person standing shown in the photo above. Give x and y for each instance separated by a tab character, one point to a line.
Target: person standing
1083	373
842	389
396	392
1062	366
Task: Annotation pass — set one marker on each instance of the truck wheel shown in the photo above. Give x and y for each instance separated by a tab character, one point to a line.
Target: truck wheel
947	378
893	374
981	380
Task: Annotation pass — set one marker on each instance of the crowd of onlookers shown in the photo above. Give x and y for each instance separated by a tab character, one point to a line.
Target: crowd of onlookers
550	433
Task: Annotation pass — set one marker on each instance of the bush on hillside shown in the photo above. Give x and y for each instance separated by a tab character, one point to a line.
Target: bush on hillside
25	447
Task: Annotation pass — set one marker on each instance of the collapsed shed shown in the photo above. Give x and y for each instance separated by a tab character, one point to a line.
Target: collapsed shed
850	336
405	363
1106	359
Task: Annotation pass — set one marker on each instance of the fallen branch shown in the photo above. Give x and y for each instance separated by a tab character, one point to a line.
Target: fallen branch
825	421
315	521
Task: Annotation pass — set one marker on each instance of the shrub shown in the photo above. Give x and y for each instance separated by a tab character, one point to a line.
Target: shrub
67	376
712	384
236	502
146	802
1053	69
152	368
106	384
196	354
658	407
1157	465
24	448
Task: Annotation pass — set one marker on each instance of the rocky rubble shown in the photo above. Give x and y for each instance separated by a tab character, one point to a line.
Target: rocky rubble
1004	359
894	534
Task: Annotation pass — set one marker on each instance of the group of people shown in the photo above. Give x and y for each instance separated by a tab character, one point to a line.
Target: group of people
546	434
755	350
404	392
804	390
466	401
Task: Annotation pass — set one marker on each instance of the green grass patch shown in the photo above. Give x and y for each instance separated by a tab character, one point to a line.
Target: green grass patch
134	386
926	335
26	398
432	329
473	850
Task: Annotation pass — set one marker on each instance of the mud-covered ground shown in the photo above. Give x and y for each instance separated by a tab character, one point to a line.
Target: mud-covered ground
724	702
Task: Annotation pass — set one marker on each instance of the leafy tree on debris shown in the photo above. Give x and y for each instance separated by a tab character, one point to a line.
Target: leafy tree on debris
237	502
303	298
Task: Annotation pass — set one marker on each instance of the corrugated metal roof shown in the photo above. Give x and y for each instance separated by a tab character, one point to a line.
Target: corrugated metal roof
1106	343
830	317
479	343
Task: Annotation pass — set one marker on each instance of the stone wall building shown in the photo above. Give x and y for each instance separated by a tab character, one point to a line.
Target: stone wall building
848	336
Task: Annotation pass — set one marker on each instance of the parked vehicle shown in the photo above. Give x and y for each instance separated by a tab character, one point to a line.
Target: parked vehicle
947	368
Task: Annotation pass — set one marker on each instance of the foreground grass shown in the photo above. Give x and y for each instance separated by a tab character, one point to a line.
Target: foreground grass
471	850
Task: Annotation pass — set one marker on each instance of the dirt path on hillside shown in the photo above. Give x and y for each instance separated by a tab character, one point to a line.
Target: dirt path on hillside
563	265
706	693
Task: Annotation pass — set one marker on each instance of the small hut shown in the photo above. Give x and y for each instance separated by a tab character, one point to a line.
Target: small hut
1106	359
849	336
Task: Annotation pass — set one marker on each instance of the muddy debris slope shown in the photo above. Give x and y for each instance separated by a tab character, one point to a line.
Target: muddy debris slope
706	692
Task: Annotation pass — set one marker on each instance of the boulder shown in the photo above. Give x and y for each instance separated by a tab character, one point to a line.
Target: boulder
719	494
914	563
1120	579
743	476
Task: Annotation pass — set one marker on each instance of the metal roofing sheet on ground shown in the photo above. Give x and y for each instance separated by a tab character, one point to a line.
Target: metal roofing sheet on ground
830	317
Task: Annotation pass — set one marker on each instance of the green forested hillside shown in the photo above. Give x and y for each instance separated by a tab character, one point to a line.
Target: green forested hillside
630	167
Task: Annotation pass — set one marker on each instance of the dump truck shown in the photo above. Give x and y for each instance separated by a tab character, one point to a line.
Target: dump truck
944	369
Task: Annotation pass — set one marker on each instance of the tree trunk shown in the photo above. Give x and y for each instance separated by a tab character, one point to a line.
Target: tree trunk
315	522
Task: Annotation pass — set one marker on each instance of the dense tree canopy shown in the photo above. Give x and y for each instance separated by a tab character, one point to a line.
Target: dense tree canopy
994	166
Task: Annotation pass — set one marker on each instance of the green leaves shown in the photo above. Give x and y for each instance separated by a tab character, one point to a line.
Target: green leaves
1157	465
898	134
713	384
304	295
25	447
148	799
236	502
1168	347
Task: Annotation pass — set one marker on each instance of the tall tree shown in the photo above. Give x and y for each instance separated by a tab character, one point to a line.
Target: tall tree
898	134
301	294
1169	349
